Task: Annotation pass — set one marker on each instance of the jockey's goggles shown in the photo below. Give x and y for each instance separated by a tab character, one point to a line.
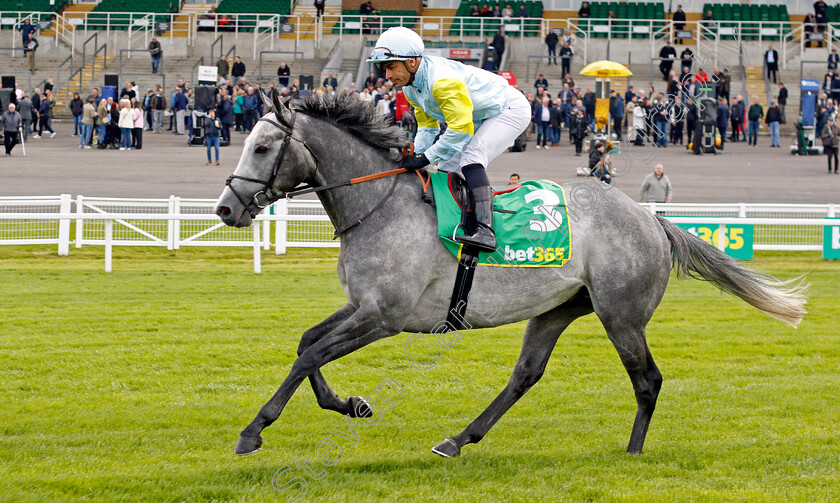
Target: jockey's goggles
382	55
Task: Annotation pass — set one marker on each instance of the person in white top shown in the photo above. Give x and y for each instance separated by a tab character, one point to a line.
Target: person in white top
126	124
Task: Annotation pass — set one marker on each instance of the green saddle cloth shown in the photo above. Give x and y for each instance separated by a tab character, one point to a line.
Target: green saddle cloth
532	230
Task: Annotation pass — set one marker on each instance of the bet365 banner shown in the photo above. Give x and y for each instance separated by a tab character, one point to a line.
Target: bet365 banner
831	240
738	239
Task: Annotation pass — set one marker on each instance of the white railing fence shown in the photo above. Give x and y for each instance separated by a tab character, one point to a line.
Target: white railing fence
180	222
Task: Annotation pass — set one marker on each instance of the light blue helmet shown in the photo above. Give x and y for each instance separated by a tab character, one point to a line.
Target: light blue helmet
397	44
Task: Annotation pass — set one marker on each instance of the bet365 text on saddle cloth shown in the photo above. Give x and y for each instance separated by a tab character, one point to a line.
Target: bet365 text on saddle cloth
531	231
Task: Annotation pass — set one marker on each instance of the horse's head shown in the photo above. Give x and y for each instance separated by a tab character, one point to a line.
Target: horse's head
273	162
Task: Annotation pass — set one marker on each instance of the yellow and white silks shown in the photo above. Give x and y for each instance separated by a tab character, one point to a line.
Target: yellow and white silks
482	112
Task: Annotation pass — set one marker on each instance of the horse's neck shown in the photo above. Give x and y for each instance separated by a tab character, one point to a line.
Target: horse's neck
341	156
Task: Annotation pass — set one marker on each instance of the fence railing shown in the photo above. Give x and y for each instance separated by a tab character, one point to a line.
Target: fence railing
180	222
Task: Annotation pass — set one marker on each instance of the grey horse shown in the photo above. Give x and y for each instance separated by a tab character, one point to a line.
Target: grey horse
399	277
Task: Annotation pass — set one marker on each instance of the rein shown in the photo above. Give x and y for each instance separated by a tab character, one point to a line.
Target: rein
270	195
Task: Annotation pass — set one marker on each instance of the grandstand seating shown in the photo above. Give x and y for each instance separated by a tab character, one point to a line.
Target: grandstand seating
625	12
247	11
32	5
491	25
409	18
766	14
116	13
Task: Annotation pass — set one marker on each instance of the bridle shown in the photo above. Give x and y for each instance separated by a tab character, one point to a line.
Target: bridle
268	195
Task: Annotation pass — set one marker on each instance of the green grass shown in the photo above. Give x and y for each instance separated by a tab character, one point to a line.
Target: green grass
134	385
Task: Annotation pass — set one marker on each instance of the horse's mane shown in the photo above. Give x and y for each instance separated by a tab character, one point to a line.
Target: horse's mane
356	116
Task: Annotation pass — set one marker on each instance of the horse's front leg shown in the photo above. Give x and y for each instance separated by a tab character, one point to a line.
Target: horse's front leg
365	325
327	398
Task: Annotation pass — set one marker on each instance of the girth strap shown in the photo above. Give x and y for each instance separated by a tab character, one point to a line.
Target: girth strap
461	290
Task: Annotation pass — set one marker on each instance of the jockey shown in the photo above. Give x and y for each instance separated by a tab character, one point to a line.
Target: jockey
483	115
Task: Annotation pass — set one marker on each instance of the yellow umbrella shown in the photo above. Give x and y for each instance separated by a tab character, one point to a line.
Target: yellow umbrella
606	69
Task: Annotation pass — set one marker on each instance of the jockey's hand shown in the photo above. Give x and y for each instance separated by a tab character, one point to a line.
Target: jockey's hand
415	161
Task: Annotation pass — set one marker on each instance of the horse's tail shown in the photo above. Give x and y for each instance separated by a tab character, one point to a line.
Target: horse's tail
692	257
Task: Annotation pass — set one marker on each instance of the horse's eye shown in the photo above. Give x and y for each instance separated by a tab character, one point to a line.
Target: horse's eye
261	149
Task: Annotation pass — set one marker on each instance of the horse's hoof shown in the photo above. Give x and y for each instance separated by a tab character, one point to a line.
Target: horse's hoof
359	407
247	445
448	449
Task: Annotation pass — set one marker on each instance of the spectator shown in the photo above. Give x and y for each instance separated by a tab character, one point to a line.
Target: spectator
566	55
238	70
507	12
222	67
225	116
656	188
551	42
667	55
629	95
722	119
589	102
31	46
45	115
822	119
754	115
820	15
808	27
24	108
584	11
474	12
541	82
12	127
542	118
250	103
238	113
49	85
687	58
707	20
578	131
830	139
88	119
319	8
212	129
179	106
126	123
156	52
158	105
774	117
828	81
660	120
367	8
676	114
771	59
76	105
330	80
782	99
147	110
679	22
94	93
26	29
599	163
102	122
498	47
127	92
284	74
616	113
639	123
514	179
736	117
485	11
522	12
724	84
137	131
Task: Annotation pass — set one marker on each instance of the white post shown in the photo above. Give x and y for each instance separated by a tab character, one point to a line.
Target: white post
80	224
280	227
831	210
64	227
170	234
721	237
742	210
176	225
109	243
266	237
257	264
652	208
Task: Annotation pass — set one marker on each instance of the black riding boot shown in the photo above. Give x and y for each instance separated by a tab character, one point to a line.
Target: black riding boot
481	199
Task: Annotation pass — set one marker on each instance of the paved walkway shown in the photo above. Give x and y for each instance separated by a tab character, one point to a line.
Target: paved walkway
167	166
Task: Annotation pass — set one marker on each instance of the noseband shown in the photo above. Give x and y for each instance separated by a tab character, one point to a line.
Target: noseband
268	195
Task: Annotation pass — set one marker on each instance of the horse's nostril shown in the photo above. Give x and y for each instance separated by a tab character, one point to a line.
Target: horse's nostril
223	211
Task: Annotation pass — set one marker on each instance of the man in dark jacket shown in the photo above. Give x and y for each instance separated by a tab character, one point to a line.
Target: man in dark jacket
589	101
724	84
250	103
666	59
541	82
551	41
679	21
578	131
24	108
736	116
616	113
238	70
498	48
156	52
225	116
222	67
722	119
771	60
782	99
597	163
25	30
566	58
686	60
774	117
754	114
12	126
329	81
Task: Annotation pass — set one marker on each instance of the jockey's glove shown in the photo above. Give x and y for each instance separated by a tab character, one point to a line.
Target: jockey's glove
415	161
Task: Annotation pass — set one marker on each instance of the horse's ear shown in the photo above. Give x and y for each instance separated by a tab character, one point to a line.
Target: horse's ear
281	111
267	103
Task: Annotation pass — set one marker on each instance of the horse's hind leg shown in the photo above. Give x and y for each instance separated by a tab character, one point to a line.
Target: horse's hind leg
327	398
539	340
632	347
